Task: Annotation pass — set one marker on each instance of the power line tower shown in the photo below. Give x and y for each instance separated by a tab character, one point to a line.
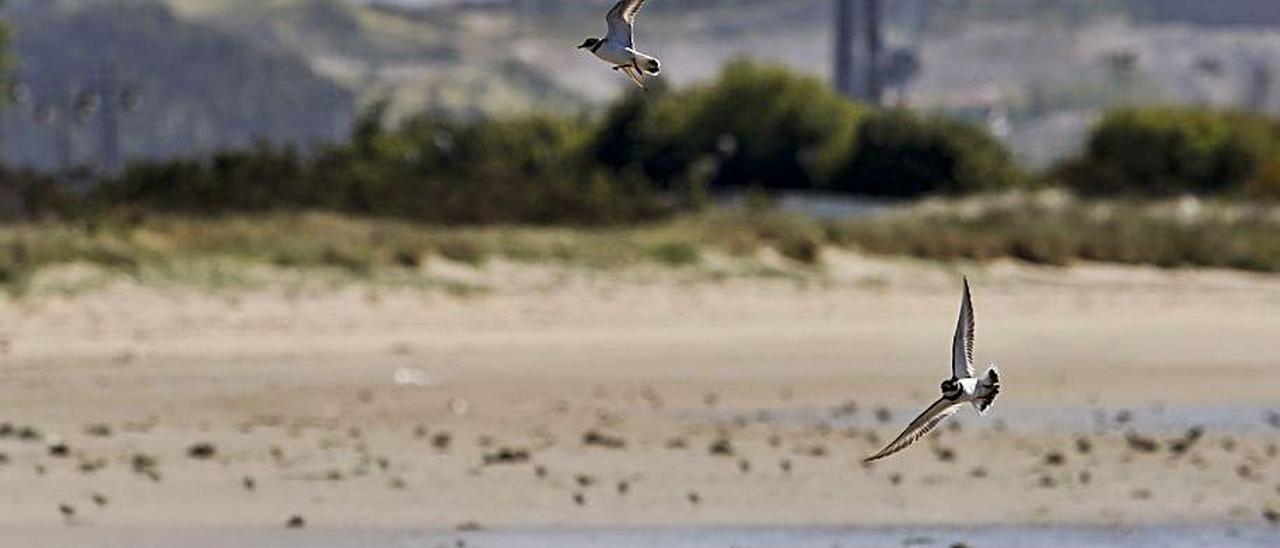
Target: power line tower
845	37
859	49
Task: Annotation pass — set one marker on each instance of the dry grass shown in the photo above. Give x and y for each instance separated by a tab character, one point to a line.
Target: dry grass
1047	228
1055	228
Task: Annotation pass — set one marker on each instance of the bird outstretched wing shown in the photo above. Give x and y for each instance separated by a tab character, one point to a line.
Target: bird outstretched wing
622	21
923	424
962	346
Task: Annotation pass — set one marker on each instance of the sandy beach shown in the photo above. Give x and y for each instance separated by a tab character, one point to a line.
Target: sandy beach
566	399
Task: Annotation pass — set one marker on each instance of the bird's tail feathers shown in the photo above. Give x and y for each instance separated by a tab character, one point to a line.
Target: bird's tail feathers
988	389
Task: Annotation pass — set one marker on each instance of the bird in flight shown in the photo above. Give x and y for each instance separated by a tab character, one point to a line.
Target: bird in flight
961	388
618	46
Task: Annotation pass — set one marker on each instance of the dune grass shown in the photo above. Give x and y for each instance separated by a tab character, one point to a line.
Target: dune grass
1055	228
1049	228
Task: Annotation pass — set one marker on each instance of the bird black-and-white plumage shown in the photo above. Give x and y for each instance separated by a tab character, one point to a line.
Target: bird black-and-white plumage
618	46
961	388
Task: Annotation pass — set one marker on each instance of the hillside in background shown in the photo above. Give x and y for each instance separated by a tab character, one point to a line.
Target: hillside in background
218	73
196	88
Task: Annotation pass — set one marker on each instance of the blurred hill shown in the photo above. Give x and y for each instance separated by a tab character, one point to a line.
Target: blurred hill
197	88
1037	73
216	74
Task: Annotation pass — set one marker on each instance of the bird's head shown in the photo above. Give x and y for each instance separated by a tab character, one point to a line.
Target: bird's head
950	388
589	43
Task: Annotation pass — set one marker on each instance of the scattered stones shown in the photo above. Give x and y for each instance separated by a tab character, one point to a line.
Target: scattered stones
1183	444
28	434
540	471
68	511
694	498
89	466
945	454
99	499
296	522
1141	443
978	472
1141	494
202	451
1047	482
1271	515
1083	445
59	450
785	465
145	465
469	526
579	498
895	479
677	443
99	430
441	441
624	487
721	447
883	414
584	480
1054	458
1245	472
744	466
599	439
249	483
506	455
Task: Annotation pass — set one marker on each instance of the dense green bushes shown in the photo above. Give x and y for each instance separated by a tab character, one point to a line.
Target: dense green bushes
899	154
764	127
649	154
1166	151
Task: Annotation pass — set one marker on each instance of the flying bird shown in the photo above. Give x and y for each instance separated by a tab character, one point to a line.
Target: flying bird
618	46
961	388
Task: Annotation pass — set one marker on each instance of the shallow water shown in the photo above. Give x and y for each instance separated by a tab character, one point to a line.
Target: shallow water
987	537
1040	419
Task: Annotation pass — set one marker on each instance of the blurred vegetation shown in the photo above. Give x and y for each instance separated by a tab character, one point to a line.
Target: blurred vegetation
1054	228
392	199
1171	151
649	156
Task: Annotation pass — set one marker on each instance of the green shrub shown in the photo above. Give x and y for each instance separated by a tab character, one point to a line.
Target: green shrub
899	154
1166	151
760	125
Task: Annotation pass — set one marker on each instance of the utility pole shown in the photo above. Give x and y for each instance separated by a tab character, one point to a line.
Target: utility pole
859	49
875	52
844	41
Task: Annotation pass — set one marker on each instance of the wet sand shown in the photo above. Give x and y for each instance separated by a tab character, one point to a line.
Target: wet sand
994	537
571	400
